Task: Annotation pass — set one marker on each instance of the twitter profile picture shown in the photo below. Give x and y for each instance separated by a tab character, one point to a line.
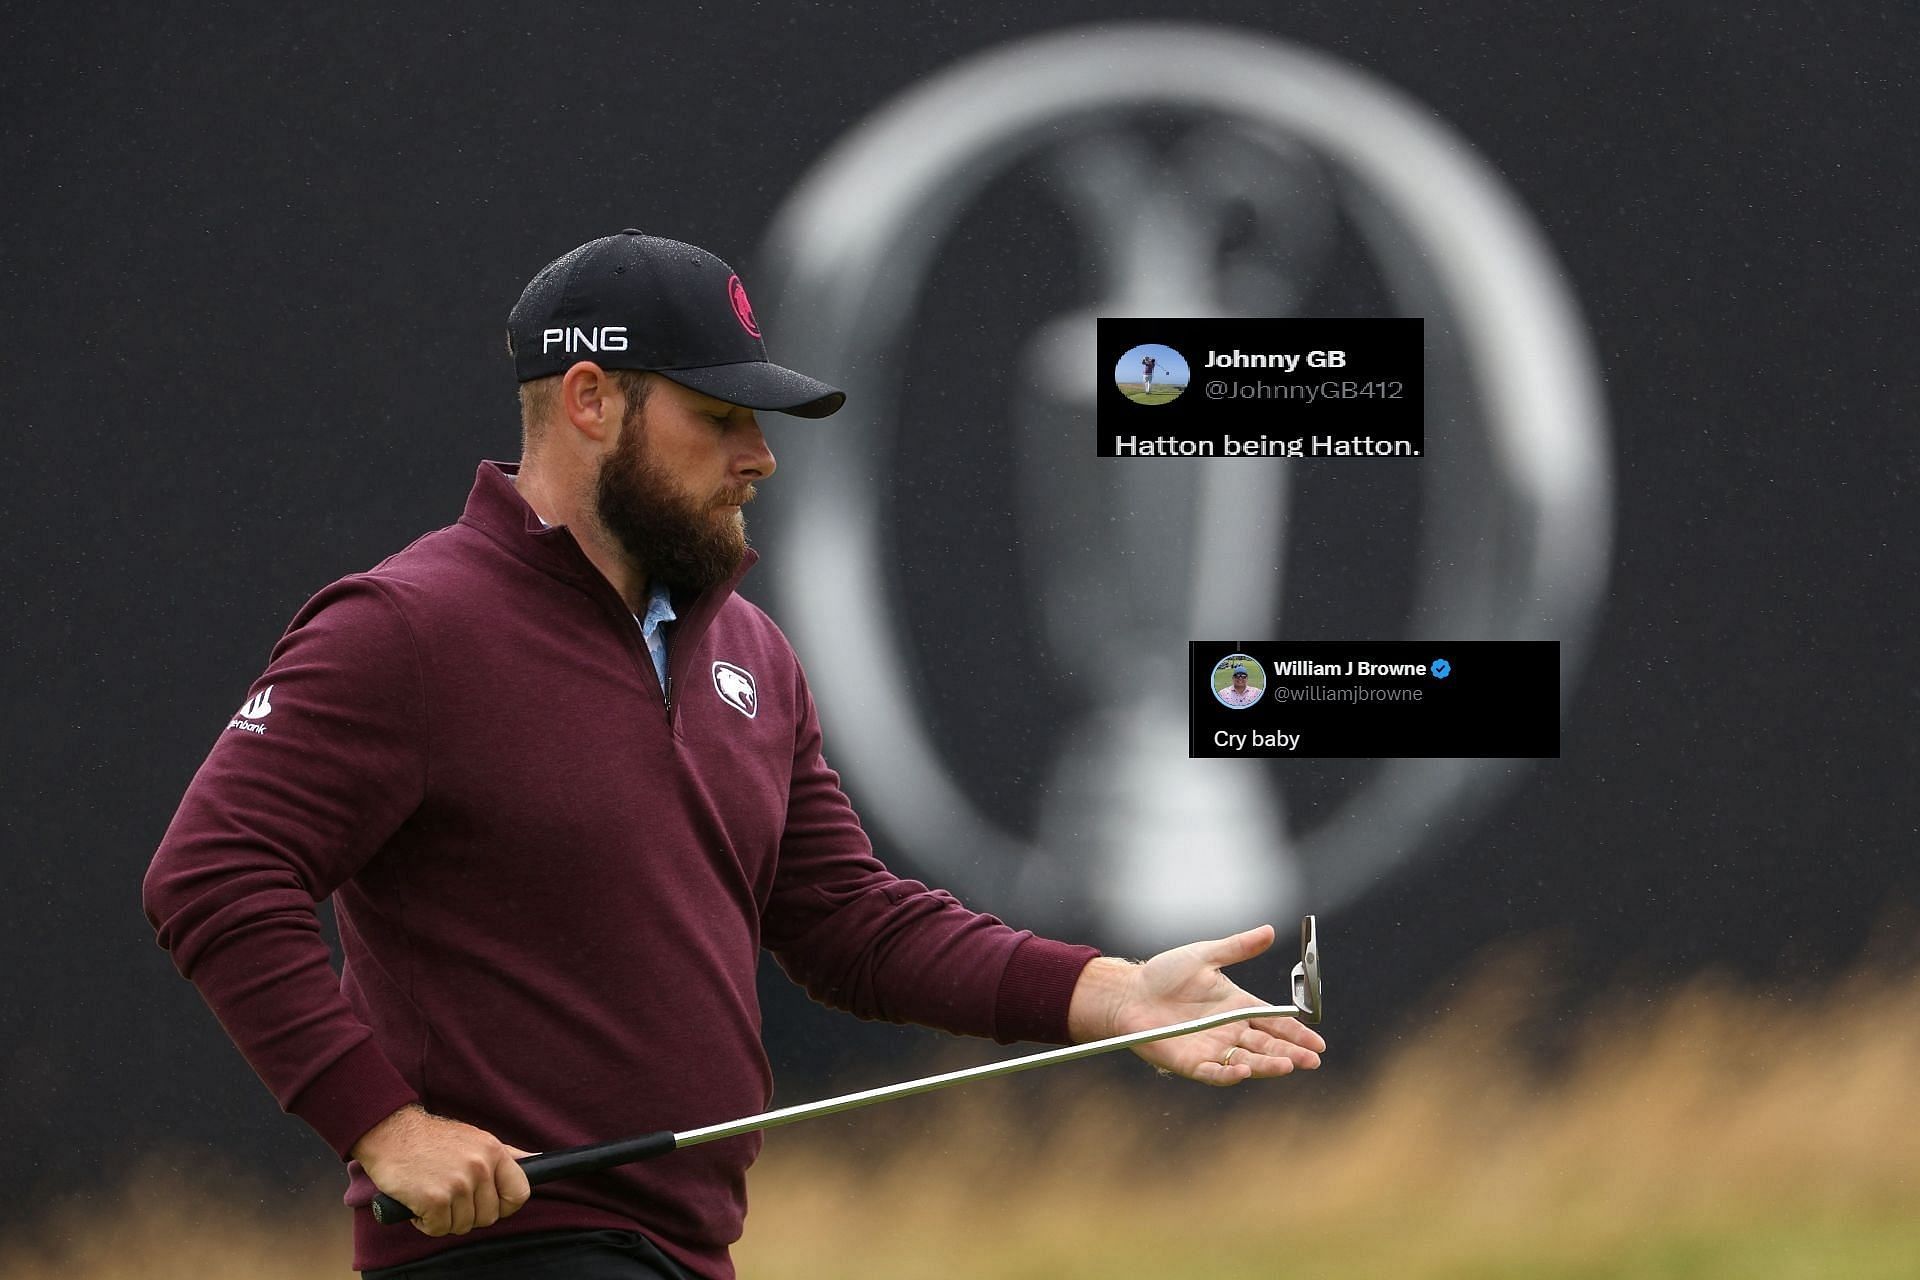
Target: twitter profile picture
1151	373
1238	681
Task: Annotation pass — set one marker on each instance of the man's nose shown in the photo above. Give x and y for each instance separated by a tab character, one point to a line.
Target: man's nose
756	461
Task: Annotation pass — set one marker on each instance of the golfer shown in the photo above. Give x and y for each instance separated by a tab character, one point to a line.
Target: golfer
563	785
1146	386
1239	693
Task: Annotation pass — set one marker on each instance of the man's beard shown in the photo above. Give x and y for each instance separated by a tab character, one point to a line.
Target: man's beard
673	539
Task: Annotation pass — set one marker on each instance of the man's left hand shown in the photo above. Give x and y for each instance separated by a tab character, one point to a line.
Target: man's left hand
1115	997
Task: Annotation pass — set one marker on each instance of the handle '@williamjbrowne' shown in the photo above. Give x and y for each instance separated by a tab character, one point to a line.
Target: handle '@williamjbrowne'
550	1166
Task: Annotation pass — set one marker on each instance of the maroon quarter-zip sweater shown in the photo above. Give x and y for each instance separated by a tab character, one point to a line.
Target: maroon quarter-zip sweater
552	882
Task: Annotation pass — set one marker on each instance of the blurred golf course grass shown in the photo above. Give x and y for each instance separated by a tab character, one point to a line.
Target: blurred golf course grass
1712	1132
1138	393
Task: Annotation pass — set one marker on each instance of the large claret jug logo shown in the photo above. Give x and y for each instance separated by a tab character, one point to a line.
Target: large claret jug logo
996	622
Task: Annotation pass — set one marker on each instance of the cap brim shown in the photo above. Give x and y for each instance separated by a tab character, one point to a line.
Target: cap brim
758	384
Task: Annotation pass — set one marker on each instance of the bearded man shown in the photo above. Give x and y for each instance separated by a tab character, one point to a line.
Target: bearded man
563	785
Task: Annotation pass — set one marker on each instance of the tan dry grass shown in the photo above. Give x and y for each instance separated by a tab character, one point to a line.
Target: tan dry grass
1722	1134
170	1224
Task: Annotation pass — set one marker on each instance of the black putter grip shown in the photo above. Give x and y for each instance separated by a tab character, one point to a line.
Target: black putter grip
550	1166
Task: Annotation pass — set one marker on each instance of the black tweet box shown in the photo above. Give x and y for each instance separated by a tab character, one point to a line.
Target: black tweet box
1426	699
1349	387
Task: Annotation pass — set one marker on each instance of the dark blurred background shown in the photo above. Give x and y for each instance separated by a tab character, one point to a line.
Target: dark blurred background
256	271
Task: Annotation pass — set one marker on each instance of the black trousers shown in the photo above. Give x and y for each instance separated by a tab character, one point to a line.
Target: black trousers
544	1255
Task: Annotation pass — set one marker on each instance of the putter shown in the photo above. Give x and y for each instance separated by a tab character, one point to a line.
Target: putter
572	1162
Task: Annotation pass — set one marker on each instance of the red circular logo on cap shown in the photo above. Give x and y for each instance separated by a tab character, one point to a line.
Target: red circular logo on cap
742	309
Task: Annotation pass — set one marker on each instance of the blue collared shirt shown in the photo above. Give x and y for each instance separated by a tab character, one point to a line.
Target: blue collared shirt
659	610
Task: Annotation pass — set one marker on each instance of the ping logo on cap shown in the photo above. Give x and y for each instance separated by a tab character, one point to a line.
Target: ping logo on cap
610	338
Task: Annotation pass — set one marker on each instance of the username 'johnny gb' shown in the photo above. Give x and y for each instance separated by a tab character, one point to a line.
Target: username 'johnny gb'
1285	361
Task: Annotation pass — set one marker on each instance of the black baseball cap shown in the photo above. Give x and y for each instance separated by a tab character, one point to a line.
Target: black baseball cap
635	301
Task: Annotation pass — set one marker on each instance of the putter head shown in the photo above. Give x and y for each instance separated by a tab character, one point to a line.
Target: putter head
1306	974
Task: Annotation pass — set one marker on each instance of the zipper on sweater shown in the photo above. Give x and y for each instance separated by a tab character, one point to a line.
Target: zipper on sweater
636	645
666	677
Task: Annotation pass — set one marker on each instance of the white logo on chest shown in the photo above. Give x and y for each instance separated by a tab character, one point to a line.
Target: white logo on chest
735	687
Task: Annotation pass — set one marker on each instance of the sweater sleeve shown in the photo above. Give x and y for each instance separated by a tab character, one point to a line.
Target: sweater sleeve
859	938
312	775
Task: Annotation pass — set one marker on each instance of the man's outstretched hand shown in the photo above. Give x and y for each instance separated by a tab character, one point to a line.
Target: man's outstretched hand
1115	997
453	1176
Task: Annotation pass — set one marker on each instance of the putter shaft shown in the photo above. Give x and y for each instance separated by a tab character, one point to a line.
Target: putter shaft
573	1162
987	1071
570	1162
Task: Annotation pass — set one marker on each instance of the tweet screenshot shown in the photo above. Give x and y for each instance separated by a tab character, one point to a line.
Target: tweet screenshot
1408	699
1260	388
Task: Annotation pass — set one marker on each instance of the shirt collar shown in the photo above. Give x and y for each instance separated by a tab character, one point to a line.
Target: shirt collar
659	599
659	610
496	508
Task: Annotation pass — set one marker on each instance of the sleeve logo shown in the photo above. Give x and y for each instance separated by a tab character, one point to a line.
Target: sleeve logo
254	710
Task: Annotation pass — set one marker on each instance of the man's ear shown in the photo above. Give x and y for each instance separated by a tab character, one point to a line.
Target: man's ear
587	400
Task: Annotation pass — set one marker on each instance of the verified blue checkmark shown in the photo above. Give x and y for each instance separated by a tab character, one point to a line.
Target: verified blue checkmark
1441	668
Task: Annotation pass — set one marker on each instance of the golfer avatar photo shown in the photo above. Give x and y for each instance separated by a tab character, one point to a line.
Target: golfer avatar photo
1238	681
1151	374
